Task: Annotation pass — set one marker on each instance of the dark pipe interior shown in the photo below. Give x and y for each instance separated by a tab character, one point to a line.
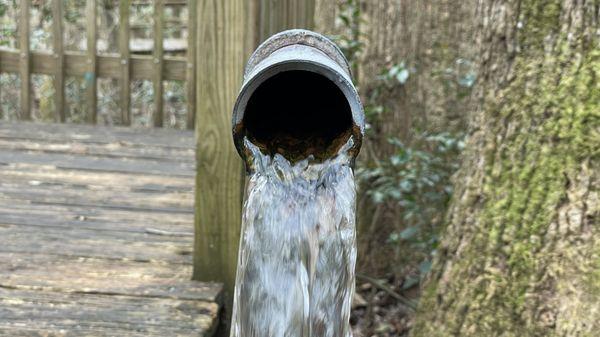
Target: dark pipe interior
297	114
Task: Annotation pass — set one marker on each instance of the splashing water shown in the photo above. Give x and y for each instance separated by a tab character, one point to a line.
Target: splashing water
295	275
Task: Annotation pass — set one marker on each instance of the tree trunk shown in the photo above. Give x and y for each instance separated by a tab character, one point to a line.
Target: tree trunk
326	12
521	253
431	37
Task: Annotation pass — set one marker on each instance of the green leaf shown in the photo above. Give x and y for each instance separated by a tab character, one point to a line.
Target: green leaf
395	141
425	267
396	194
396	160
378	197
409	233
402	76
409	282
345	19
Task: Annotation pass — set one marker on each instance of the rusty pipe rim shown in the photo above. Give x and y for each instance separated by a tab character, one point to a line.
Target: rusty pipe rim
298	50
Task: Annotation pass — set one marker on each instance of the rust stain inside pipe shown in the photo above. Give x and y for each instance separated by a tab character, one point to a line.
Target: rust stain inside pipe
298	114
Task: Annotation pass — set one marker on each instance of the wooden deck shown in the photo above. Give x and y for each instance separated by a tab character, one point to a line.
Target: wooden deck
96	231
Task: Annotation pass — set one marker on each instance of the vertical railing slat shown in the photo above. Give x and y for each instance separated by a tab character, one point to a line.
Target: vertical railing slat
90	74
24	61
125	79
158	61
59	75
191	65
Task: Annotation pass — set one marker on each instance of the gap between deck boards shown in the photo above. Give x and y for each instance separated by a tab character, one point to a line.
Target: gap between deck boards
96	233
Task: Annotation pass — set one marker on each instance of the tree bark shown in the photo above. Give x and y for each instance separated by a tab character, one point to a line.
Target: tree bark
430	37
326	12
521	251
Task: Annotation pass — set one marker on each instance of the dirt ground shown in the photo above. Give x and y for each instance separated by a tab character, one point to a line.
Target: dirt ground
376	311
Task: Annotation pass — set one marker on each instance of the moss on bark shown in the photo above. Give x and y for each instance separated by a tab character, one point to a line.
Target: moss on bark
521	252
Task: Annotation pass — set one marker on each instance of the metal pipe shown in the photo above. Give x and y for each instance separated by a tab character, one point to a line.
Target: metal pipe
296	61
298	124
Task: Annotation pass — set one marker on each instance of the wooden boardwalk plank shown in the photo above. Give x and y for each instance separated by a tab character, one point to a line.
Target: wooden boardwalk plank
74	242
62	194
97	134
18	212
110	150
93	163
102	276
36	174
35	313
96	233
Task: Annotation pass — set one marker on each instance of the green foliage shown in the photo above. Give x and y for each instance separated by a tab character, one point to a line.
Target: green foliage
74	25
349	41
416	180
387	81
456	78
72	10
8	28
10	84
465	73
396	74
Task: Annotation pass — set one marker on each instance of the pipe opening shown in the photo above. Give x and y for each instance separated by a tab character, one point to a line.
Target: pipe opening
297	114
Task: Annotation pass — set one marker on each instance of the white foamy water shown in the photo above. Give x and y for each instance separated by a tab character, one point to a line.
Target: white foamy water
295	275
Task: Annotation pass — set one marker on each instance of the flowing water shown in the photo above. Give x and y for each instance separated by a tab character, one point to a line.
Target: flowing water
295	274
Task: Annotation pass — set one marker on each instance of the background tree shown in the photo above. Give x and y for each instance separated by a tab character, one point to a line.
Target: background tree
521	252
416	75
414	67
415	72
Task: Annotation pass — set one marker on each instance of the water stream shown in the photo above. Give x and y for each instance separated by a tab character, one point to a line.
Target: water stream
295	274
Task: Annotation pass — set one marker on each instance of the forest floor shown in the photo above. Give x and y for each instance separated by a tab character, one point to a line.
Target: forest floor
377	313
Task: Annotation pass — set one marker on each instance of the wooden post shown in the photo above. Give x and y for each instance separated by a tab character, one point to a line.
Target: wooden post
24	61
228	31
278	15
59	74
158	62
191	64
90	74
220	62
124	83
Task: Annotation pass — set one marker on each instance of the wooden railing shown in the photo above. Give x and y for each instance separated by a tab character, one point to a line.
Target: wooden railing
125	67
